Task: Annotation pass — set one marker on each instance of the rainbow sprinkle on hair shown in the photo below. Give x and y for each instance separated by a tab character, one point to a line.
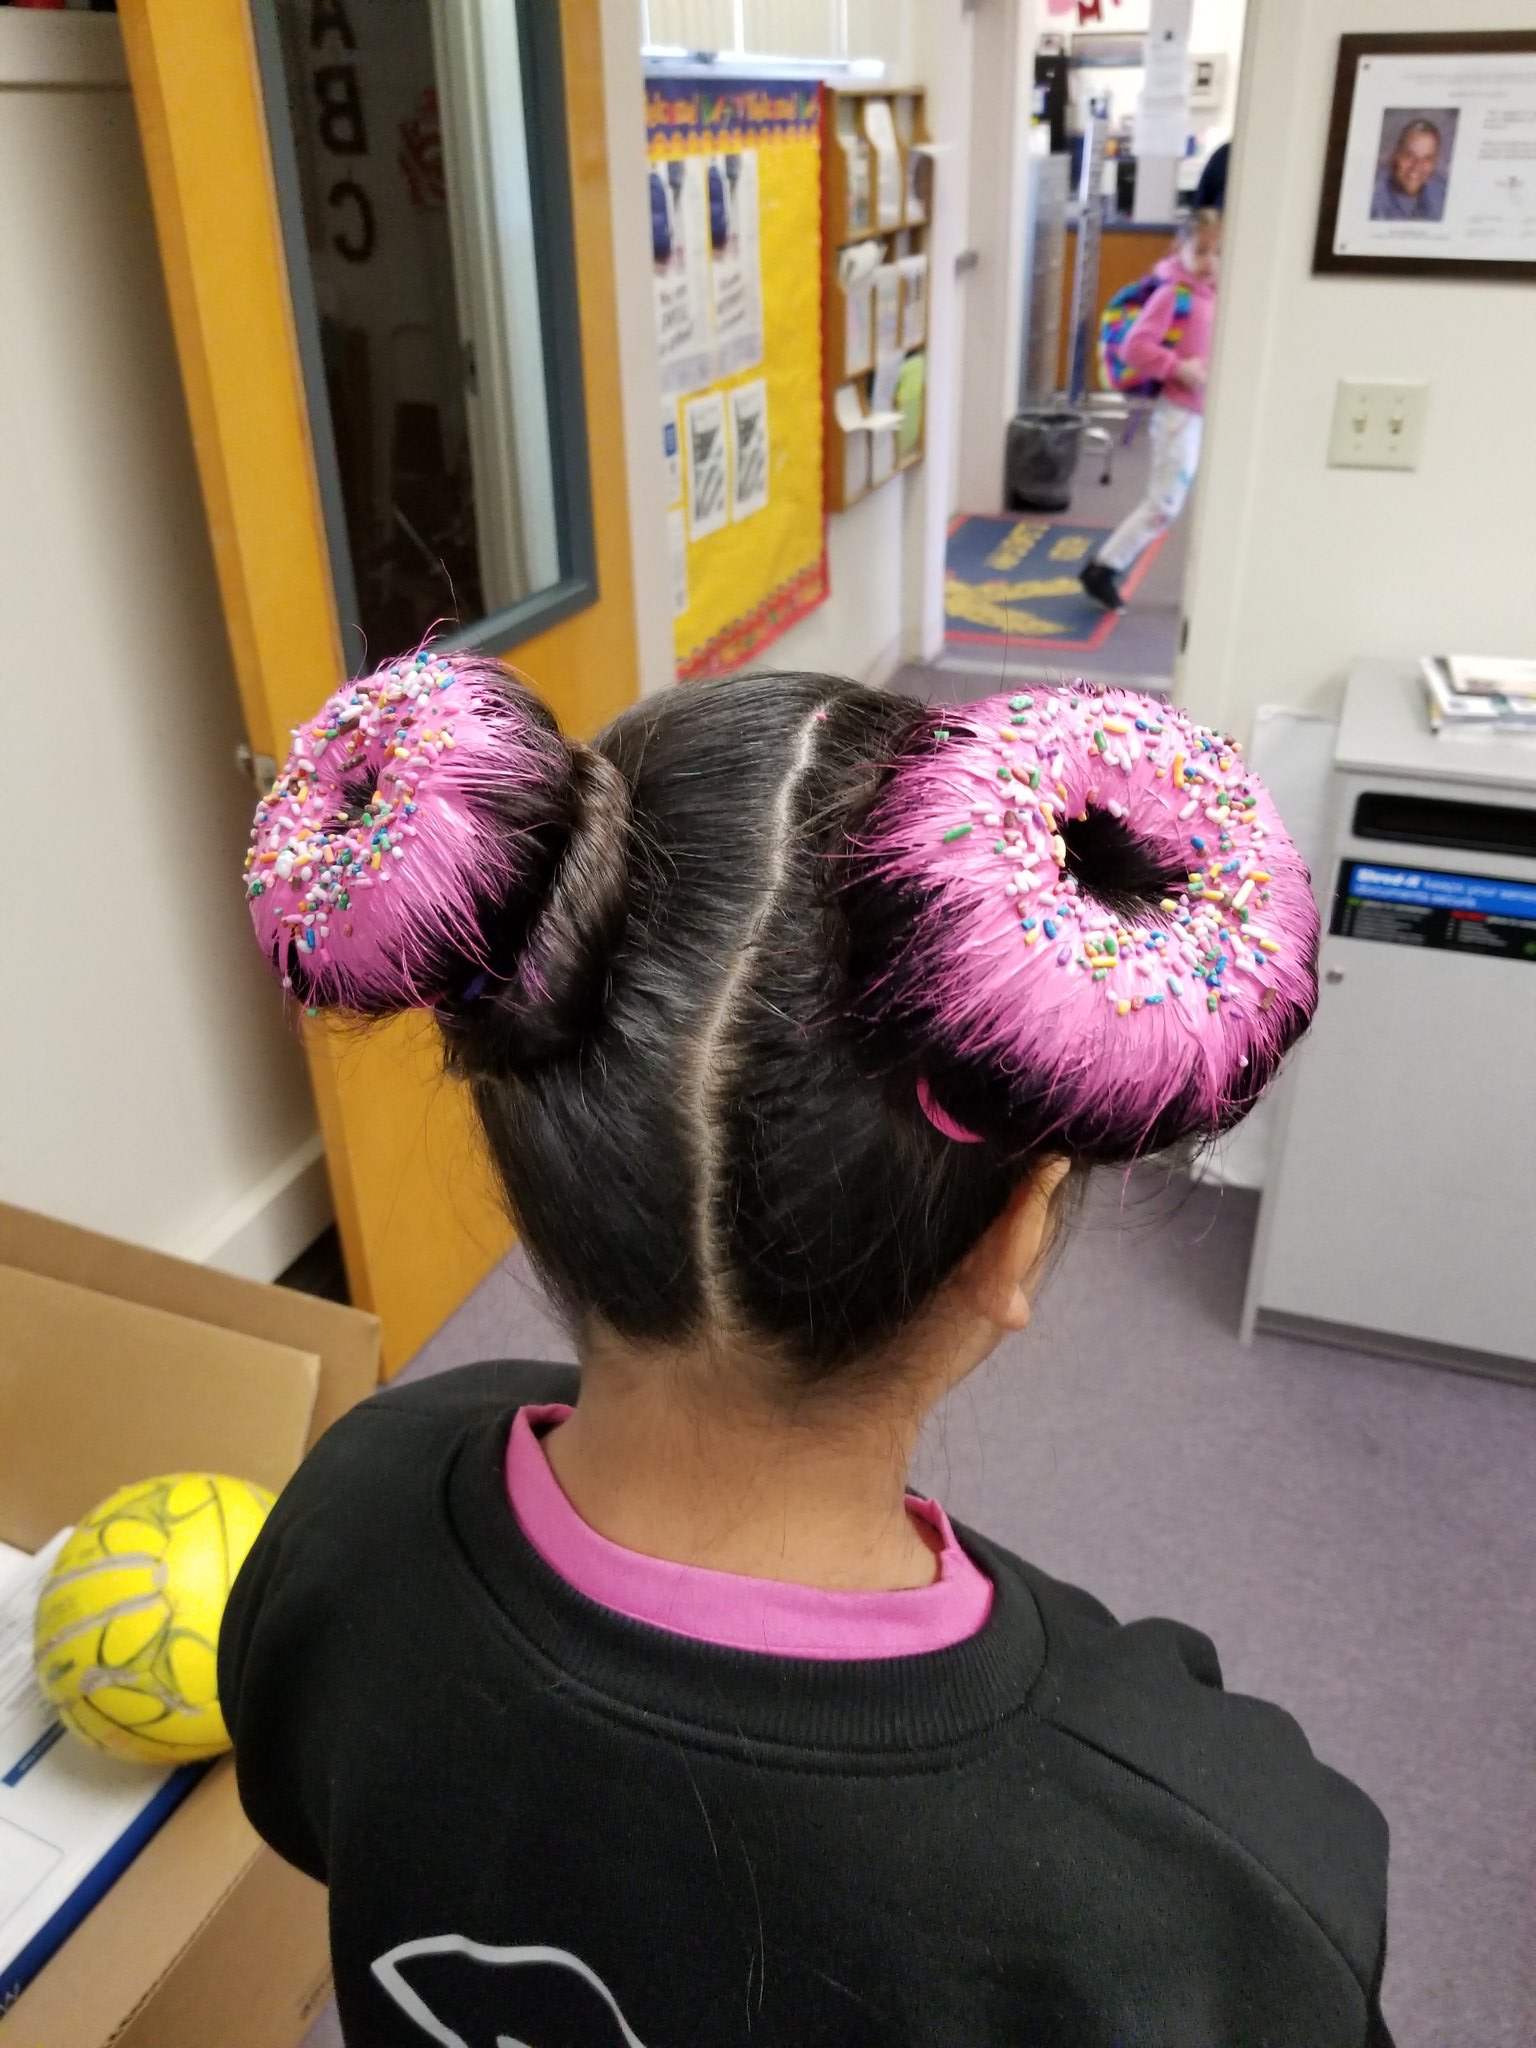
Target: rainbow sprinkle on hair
375	856
1146	1012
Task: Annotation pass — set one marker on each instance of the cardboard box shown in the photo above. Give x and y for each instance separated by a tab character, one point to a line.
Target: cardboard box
207	1938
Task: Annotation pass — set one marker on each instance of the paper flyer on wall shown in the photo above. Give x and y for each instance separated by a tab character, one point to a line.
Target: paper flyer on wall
1440	159
859	326
677	548
855	168
880	129
1166	51
704	461
671	453
71	1818
910	384
882	401
848	410
887	309
752	533
749	449
856	268
914	300
1161	126
679	258
1162	114
735	270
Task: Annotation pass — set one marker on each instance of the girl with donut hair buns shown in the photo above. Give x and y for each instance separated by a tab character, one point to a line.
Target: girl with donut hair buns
794	1012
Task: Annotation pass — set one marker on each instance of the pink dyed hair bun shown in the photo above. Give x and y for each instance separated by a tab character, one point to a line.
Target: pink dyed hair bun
409	854
1110	938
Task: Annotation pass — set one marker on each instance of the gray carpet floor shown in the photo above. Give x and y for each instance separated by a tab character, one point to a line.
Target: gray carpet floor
1355	1534
1142	647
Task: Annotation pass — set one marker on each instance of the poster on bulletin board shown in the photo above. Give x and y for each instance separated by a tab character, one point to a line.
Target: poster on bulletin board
735	175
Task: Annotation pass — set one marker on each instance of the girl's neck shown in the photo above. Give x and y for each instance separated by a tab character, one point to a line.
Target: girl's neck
658	1459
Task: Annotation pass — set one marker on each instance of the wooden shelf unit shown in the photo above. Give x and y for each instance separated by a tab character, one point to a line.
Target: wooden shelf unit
894	298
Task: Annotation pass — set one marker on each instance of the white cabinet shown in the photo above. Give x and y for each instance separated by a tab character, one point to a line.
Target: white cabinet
1401	1209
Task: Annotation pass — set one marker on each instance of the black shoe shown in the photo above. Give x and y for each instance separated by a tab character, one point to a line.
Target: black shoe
1102	585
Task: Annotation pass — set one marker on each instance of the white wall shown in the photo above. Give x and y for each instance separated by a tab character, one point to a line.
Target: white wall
149	1088
1298	568
860	630
997	160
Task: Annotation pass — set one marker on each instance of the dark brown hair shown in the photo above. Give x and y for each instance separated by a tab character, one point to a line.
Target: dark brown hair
691	1135
698	973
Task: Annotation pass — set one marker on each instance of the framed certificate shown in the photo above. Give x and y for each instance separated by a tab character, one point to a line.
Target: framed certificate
1431	165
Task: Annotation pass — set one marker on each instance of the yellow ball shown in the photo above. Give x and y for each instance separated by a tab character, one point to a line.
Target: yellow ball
127	1627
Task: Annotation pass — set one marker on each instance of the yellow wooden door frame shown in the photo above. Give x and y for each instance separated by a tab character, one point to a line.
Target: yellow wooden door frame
419	1221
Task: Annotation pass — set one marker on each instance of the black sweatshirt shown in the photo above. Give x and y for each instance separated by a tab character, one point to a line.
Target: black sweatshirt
545	1824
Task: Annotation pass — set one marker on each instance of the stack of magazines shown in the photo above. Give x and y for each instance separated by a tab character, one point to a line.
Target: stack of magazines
1476	693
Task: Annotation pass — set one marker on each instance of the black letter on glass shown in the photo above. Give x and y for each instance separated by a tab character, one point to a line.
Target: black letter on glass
357	247
342	130
330	18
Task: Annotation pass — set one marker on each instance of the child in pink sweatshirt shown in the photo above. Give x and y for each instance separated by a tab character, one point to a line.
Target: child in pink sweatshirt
1175	352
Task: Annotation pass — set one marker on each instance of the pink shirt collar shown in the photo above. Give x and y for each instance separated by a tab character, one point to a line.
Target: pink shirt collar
770	1616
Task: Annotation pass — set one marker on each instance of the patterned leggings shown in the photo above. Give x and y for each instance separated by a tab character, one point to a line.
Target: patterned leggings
1175	438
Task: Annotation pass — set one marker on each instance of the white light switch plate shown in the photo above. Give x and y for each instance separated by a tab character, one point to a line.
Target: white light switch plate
1377	426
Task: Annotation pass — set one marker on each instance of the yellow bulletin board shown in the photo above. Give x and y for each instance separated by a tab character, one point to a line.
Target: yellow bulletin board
735	183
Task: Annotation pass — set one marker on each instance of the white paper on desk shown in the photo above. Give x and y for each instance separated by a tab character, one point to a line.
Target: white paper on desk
880	130
65	1808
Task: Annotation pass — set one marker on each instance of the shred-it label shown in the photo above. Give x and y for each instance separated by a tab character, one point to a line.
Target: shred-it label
1430	907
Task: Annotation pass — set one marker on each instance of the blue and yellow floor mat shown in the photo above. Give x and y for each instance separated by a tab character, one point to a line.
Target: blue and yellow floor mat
1012	582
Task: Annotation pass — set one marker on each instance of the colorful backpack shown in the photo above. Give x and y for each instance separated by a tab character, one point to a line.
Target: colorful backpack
1116	322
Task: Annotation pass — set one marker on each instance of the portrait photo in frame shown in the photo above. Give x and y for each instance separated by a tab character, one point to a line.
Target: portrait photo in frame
1431	159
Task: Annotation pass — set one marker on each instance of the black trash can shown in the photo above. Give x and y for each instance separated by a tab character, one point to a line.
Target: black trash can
1043	448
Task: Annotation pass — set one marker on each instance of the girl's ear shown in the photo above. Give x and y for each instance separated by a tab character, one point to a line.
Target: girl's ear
997	1275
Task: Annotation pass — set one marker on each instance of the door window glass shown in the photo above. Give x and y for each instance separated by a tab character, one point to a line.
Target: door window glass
419	147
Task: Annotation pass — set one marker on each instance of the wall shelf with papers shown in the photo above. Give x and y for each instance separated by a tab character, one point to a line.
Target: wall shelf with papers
877	203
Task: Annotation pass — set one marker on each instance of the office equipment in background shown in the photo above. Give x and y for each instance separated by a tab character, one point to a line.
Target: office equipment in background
1397	1216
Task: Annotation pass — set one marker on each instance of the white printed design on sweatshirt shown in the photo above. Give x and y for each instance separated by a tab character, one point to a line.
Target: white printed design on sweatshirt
467	1988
